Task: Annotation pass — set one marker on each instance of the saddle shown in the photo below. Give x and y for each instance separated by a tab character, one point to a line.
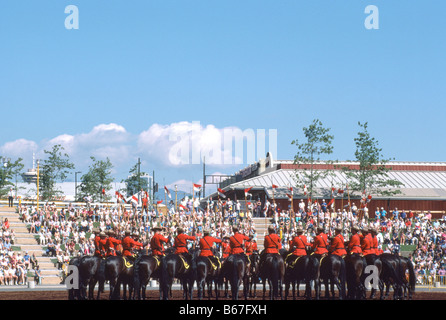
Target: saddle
214	266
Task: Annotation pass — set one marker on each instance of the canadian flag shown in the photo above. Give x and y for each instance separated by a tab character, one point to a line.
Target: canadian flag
183	207
305	189
159	202
134	198
290	197
369	198
197	187
274	186
247	190
291	189
331	202
168	192
221	193
340	191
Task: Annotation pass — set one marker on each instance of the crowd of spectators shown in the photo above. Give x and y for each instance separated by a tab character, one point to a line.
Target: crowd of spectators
68	231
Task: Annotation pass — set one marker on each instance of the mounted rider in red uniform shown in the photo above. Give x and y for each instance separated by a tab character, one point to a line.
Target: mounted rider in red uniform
157	241
206	245
298	246
337	245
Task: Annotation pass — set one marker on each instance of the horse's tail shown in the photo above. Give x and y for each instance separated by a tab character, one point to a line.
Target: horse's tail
136	279
275	276
101	275
412	277
164	278
343	278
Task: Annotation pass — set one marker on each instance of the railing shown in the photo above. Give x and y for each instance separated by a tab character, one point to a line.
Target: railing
431	281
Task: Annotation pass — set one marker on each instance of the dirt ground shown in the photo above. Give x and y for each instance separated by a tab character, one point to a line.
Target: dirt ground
177	295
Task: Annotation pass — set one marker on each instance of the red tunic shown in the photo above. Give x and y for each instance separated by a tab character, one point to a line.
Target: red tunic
111	246
354	245
226	249
180	243
236	243
156	244
97	245
320	244
299	243
375	245
366	245
272	243
206	243
128	244
337	246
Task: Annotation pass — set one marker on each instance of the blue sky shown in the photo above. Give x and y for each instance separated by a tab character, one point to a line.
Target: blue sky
134	67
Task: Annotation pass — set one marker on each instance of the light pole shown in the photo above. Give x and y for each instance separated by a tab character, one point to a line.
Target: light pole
38	174
5	162
75	185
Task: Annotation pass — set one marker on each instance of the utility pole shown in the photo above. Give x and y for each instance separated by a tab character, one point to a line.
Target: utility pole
204	177
139	180
38	173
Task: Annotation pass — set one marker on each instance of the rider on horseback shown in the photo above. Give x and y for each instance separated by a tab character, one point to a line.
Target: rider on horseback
112	243
320	242
299	244
337	243
250	246
206	244
354	245
130	245
156	243
272	244
101	251
180	244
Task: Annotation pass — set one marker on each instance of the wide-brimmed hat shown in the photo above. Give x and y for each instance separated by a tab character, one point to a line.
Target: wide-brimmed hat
355	228
180	230
299	230
157	227
206	232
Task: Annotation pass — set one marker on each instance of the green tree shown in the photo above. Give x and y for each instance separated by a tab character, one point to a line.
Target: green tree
54	169
136	182
371	175
97	178
8	173
317	143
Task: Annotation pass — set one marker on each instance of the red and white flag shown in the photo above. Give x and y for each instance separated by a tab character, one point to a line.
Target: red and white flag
291	189
290	197
183	207
247	190
167	192
305	189
197	187
274	186
221	193
159	202
331	202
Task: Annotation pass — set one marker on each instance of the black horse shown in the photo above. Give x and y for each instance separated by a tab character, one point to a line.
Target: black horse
208	270
356	265
333	272
391	276
407	284
272	269
146	267
373	260
236	269
89	274
394	275
179	267
295	272
74	293
254	274
117	270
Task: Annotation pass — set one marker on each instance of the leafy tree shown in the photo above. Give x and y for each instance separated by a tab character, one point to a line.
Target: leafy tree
371	174
54	169
318	142
135	181
97	179
8	173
